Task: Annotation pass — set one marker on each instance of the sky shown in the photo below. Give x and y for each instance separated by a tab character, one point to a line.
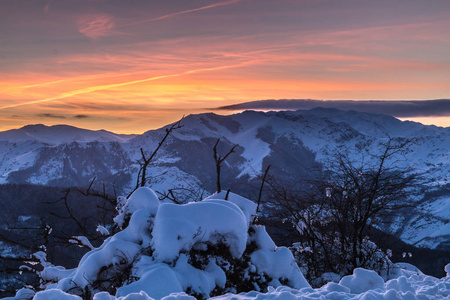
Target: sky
131	66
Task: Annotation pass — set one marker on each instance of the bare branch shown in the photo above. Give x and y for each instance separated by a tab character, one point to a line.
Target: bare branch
219	160
261	188
142	176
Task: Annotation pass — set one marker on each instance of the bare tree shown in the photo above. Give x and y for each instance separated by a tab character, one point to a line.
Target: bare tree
219	160
263	181
146	160
337	213
364	194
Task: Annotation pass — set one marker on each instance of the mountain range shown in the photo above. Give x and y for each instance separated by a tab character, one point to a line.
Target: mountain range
292	142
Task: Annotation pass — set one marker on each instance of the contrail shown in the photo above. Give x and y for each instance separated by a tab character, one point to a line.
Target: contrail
115	85
41	84
76	78
183	12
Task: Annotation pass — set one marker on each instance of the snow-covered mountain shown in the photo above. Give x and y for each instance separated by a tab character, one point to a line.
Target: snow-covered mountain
292	142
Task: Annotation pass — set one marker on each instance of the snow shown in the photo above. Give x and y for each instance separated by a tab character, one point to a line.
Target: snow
142	295
421	230
81	241
364	285
439	208
143	197
102	230
442	231
400	284
55	294
103	296
136	296
56	273
362	280
179	227
248	207
262	239
254	151
42	257
279	264
407	269
117	252
138	229
157	281
22	294
199	281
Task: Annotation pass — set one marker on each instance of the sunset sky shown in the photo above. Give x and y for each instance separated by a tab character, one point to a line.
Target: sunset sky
131	66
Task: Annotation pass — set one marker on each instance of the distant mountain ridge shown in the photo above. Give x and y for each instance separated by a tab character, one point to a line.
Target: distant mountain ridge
293	142
59	134
396	108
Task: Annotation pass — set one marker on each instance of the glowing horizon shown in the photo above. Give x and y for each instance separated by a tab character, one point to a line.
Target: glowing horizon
131	68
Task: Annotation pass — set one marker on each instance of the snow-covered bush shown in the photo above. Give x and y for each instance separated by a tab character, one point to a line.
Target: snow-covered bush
202	248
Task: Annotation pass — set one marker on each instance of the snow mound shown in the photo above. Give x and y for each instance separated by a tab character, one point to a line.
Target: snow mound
362	280
248	207
179	227
143	197
141	296
280	266
404	269
22	294
157	281
55	294
400	284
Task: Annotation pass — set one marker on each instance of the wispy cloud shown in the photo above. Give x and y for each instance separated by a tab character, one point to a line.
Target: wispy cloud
81	116
182	12
95	26
52	116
